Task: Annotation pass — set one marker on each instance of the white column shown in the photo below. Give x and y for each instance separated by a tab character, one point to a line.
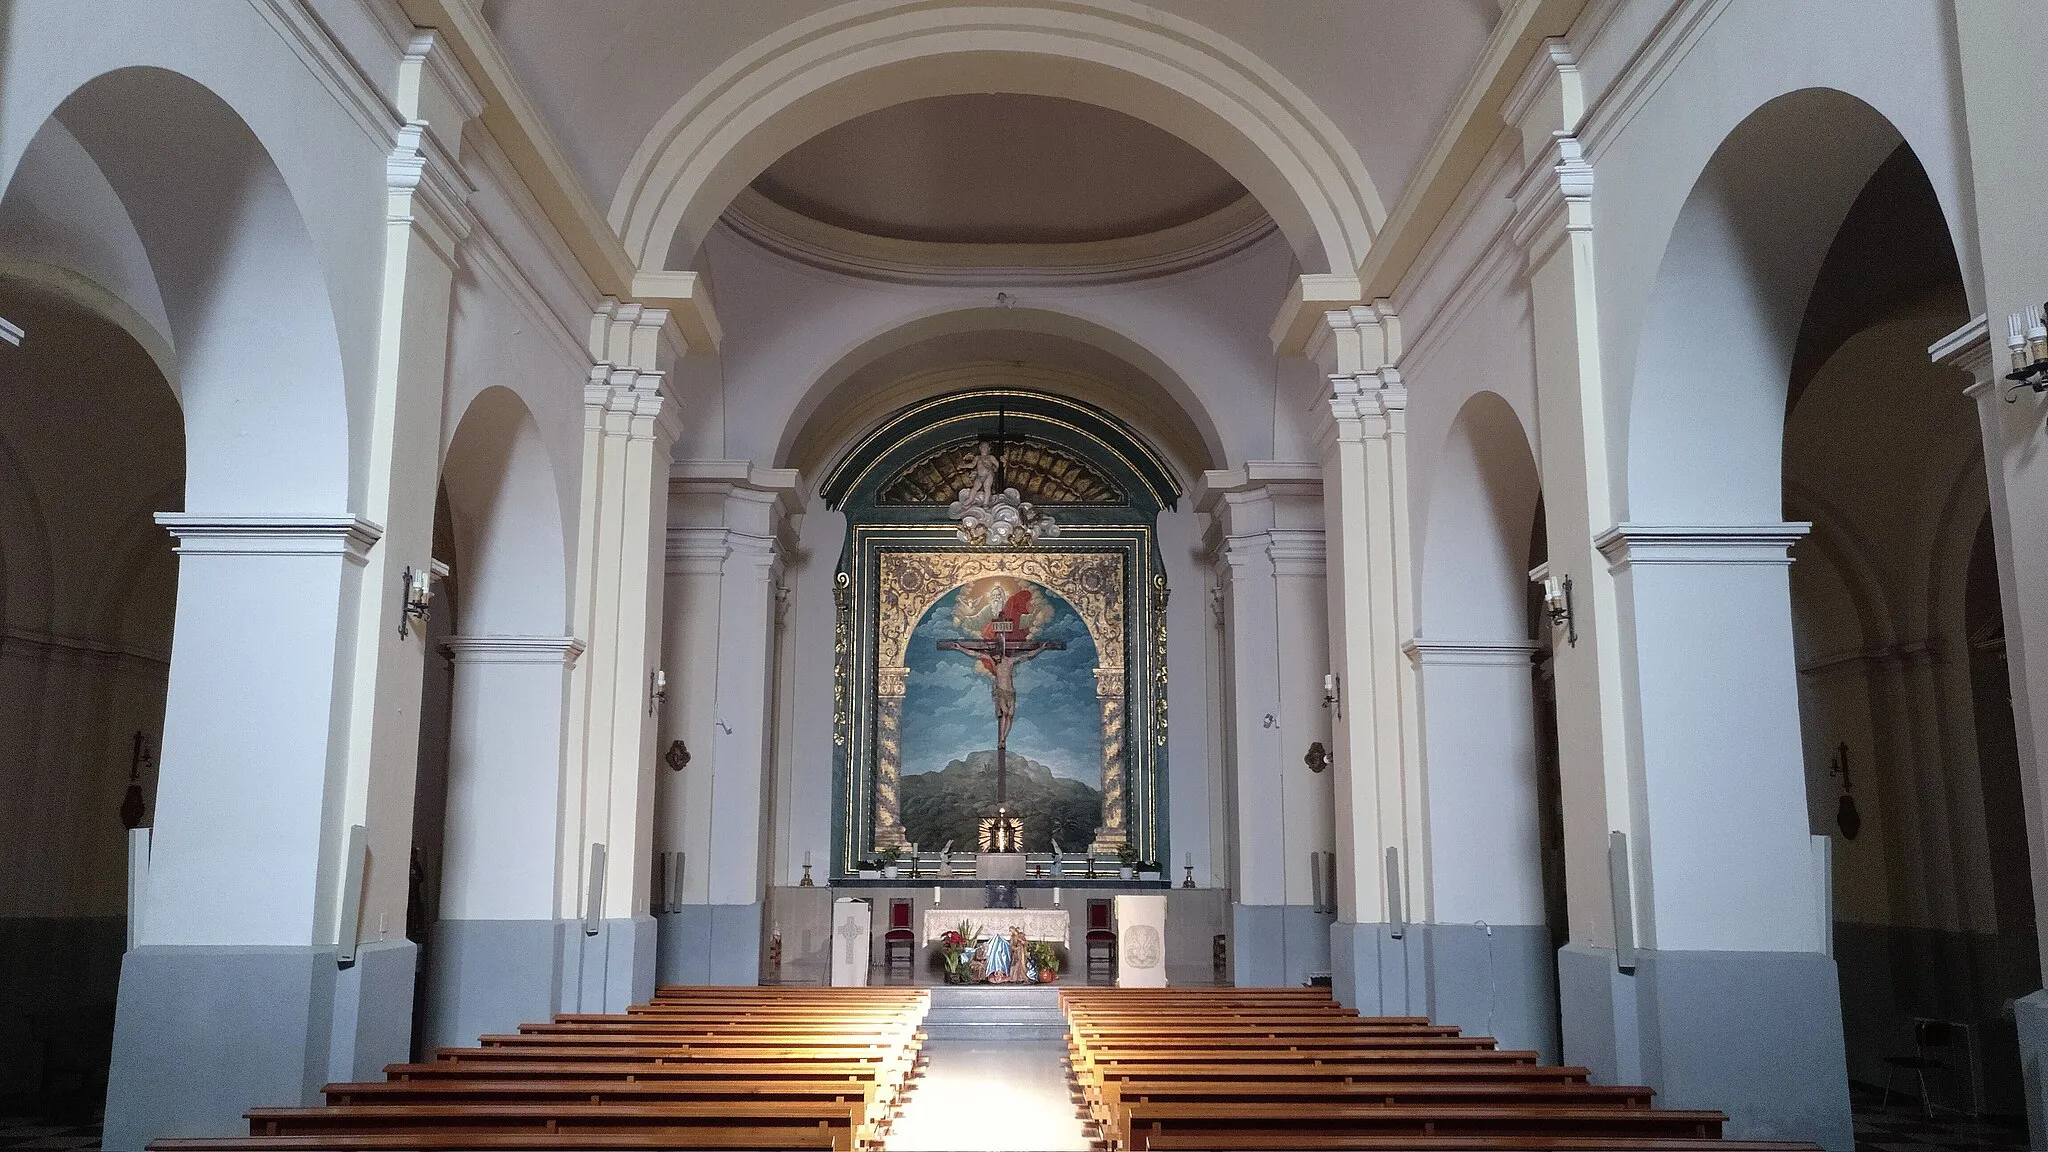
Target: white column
505	776
727	526
496	943
1491	963
1677	725
251	746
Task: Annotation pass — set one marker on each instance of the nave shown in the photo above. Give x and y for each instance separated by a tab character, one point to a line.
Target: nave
853	1070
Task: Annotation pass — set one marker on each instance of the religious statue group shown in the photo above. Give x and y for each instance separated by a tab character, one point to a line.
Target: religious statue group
1003	960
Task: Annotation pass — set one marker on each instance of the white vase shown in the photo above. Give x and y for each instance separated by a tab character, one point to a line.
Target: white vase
889	873
870	874
1127	873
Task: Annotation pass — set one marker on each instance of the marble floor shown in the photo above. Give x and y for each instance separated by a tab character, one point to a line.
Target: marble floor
1014	1097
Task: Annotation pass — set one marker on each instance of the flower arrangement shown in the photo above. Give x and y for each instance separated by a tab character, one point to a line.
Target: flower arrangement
1127	854
954	949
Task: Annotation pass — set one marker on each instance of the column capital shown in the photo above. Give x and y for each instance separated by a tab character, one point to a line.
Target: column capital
1968	349
554	651
426	189
1631	545
213	534
1554	196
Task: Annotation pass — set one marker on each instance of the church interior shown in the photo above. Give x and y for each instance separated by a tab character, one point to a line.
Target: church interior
888	574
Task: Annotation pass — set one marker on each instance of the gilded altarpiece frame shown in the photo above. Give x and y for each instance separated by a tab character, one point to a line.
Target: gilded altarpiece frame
1101	575
1110	577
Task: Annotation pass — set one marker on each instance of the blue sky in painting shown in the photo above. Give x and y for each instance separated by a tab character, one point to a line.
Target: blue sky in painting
948	712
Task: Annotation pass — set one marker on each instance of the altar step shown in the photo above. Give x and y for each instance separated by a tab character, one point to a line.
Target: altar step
986	1015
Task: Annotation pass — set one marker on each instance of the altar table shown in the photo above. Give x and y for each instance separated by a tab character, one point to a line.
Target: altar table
1037	923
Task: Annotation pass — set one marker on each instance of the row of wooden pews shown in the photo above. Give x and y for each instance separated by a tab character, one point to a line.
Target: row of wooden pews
1237	1068
695	1068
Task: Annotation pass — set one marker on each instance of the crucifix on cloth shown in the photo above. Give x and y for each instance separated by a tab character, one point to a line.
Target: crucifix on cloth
1000	655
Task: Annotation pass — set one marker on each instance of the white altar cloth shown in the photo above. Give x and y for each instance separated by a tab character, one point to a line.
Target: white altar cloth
1037	923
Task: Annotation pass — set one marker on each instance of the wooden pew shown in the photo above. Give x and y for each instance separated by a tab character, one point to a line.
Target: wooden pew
1269	1069
697	1068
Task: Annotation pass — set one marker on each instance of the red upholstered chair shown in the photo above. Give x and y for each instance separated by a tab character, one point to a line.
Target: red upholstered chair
900	941
1101	939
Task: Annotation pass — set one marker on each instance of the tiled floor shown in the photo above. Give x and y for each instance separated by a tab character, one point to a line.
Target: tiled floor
1902	1128
1014	1097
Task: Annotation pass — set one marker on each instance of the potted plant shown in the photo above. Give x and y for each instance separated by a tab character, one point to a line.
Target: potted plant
1046	958
867	869
1127	860
888	858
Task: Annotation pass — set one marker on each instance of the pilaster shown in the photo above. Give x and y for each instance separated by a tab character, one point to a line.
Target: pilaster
728	530
1375	739
629	428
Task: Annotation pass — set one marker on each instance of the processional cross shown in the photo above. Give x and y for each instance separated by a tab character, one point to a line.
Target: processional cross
1001	654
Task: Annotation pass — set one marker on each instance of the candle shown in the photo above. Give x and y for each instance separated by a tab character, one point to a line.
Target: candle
935	895
1055	897
2015	330
807	857
1191	859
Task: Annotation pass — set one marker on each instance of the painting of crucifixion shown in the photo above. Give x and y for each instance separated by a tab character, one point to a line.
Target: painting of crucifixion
1001	728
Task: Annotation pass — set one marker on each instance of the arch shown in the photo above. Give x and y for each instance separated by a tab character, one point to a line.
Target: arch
244	300
1476	530
861	389
869	54
504	509
1705	418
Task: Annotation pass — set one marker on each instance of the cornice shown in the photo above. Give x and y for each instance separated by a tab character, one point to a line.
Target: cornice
547	650
1635	545
77	648
784	486
1471	653
1644	73
1252	476
259	535
308	37
1966	349
1196	244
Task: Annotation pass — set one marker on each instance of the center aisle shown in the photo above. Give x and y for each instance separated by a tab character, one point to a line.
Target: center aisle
995	1075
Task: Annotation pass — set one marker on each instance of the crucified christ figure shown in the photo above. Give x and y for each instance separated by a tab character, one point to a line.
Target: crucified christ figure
1000	655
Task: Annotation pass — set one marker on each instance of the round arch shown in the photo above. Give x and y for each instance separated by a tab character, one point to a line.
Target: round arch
504	504
1706	412
869	54
842	404
1477	529
244	297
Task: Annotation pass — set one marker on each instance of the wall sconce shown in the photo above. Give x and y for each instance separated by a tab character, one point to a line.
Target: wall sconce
1332	697
416	594
2026	338
657	689
1318	757
1557	604
678	757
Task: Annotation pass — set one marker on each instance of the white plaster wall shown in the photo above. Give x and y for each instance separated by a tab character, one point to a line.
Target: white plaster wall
789	327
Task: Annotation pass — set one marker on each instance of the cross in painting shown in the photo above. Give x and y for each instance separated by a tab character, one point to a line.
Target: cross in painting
1000	655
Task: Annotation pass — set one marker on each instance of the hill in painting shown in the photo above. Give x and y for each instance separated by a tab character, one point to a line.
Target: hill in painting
947	805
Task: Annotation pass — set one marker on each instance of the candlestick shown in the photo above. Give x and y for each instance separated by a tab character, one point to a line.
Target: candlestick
1055	897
